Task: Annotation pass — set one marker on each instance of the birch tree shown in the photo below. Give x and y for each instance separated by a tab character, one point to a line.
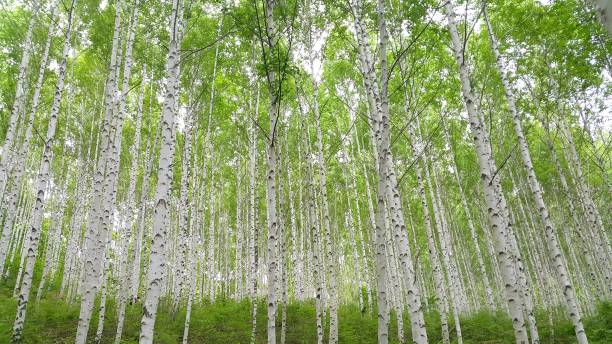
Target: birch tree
35	227
19	101
92	261
155	278
22	157
536	190
376	180
497	220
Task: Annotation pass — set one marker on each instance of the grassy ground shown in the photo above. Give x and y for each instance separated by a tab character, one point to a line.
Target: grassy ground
54	321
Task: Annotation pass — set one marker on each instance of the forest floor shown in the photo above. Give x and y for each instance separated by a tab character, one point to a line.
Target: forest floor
54	321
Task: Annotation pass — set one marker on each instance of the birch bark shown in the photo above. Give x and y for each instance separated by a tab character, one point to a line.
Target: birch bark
42	179
348	222
253	228
362	238
331	263
184	218
446	246
583	234
102	310
536	190
6	150
191	258
91	259
24	149
157	265
439	283
497	221
273	112
593	219
418	149
124	289
472	228
380	102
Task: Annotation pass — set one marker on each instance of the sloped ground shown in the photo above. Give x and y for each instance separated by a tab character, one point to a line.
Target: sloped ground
54	321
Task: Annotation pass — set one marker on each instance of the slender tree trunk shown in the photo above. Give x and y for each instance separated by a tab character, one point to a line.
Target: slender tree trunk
184	226
446	245
396	290
439	284
350	225
295	250
497	220
124	289
331	263
253	228
273	113
387	176
142	214
91	256
238	262
378	219
102	310
282	166
360	238
470	222
53	238
43	177
582	233
24	149
316	253
157	265
593	219
191	262
6	150
418	149
536	189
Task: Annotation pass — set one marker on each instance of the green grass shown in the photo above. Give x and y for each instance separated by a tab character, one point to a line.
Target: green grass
225	321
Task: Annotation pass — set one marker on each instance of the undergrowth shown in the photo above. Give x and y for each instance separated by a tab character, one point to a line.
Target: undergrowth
226	321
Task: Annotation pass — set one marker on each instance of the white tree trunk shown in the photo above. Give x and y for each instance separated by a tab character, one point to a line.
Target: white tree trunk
53	238
157	265
379	222
273	230
211	266
316	253
446	246
350	225
470	222
439	282
418	149
583	234
6	150
124	288
42	180
536	190
497	220
253	228
102	309
593	219
387	179
24	149
331	261
92	263
295	249
184	226
362	238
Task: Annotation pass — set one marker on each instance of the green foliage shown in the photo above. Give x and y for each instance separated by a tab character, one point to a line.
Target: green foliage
560	52
601	325
227	321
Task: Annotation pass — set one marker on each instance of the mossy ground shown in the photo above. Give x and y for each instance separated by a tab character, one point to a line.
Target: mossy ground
54	321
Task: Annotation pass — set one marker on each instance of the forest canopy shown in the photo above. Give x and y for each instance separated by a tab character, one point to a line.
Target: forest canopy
340	171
